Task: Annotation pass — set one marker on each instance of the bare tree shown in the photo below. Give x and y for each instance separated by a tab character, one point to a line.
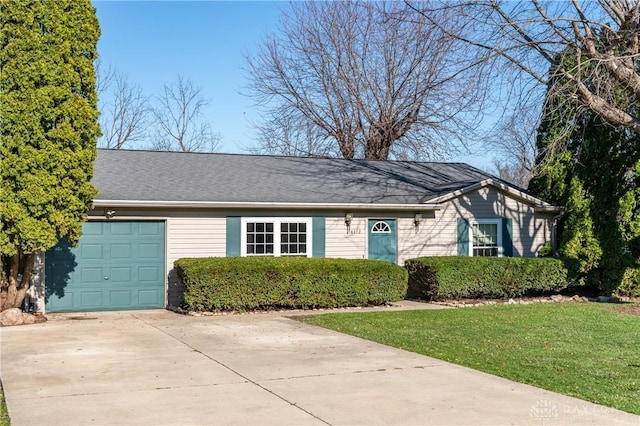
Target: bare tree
591	47
514	145
124	117
512	171
104	76
282	135
369	84
180	119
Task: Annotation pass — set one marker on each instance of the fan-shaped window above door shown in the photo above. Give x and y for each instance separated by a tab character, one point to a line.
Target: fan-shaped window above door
380	228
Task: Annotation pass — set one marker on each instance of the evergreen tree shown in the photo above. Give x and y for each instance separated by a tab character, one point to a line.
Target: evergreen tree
595	175
48	131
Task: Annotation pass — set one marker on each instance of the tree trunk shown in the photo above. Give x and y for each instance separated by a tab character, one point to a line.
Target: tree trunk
4	283
13	288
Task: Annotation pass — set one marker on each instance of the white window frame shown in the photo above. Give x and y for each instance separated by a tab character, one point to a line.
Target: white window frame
497	222
277	221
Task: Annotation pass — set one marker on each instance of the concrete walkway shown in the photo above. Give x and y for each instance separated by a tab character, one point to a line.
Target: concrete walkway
161	368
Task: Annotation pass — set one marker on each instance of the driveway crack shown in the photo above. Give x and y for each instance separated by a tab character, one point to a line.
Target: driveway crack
247	379
376	370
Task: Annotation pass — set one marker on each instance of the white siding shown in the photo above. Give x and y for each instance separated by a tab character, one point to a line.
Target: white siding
191	237
530	229
437	233
339	243
424	240
438	236
195	237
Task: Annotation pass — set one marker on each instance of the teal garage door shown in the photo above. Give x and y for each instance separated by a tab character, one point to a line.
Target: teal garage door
117	265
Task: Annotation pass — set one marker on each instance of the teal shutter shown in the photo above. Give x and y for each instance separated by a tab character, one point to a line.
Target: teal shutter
318	233
233	236
463	237
507	237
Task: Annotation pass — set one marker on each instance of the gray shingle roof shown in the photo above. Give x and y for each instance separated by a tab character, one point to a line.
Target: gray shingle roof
174	176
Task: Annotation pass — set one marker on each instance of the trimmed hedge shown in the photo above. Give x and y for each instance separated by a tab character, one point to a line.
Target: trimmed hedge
459	277
249	283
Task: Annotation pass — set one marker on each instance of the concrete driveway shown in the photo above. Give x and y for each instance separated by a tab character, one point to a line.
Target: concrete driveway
161	368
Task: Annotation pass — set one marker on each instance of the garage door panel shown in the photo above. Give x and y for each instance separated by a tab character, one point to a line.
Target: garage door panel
151	228
120	251
62	252
120	298
91	252
121	228
63	303
91	275
149	297
148	274
121	275
94	228
117	265
149	250
58	271
91	299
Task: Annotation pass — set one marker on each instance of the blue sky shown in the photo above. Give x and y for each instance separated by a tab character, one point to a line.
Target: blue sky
152	42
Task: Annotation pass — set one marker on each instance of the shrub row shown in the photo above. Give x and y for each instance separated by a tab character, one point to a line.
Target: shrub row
249	283
437	278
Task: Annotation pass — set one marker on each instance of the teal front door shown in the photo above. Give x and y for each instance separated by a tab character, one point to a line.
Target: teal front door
117	265
382	239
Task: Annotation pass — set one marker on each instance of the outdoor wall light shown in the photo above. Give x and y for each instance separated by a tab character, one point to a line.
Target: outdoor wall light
347	220
417	218
109	214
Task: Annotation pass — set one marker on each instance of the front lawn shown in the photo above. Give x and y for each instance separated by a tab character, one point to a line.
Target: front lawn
587	350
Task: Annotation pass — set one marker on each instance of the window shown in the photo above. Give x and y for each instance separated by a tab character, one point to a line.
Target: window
276	237
259	238
380	228
293	238
486	238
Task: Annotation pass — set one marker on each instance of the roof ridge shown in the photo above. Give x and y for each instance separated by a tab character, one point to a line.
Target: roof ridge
242	154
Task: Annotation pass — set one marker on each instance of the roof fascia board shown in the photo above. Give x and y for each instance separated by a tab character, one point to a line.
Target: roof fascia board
539	204
263	205
455	194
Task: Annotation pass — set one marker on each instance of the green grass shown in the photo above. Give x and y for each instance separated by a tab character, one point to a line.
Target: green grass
4	415
590	351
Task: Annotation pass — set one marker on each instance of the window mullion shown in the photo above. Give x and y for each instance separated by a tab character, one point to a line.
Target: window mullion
277	232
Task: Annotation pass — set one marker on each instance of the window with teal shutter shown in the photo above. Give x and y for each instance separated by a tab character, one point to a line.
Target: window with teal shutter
319	229
485	237
463	237
507	237
275	236
233	236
